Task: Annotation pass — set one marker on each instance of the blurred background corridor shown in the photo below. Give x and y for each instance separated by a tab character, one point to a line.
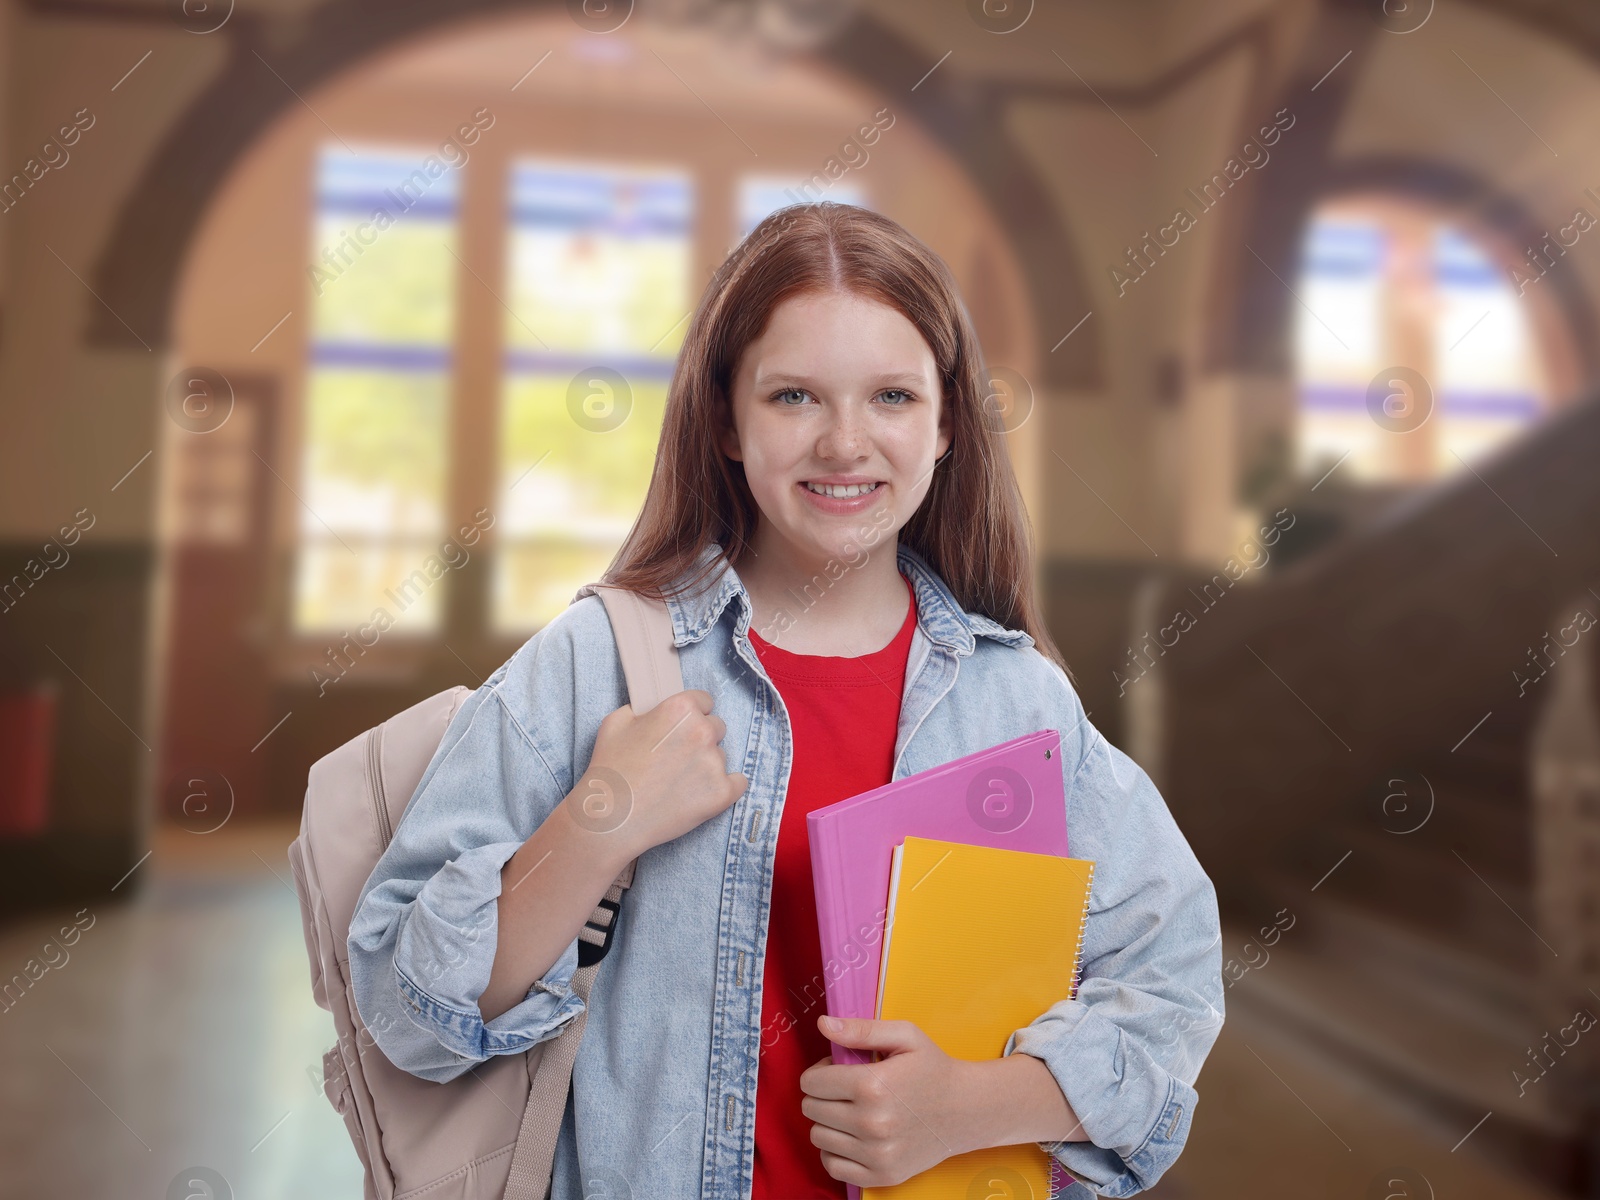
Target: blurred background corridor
334	342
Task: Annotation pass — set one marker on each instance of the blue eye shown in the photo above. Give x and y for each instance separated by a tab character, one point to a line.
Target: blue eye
781	398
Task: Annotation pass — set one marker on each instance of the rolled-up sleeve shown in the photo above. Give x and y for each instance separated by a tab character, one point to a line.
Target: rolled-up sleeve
422	941
1127	1048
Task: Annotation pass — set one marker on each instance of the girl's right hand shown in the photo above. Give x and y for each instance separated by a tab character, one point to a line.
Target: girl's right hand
654	777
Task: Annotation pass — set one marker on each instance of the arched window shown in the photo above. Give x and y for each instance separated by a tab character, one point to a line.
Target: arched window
1415	351
464	311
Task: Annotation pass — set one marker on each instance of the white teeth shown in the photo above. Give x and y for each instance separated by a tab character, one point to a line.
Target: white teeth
841	490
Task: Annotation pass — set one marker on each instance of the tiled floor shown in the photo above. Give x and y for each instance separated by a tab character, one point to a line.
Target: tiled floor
181	1033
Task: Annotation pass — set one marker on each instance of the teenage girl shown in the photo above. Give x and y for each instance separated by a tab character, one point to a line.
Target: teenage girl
837	533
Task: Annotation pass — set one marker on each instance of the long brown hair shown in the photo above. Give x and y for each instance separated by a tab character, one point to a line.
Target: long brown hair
971	526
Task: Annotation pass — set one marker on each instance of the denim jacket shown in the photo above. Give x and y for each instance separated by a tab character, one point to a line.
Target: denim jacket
664	1084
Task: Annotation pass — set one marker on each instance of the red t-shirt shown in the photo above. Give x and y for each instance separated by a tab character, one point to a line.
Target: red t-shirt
845	713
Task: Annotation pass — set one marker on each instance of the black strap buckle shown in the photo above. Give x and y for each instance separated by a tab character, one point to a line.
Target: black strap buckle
589	952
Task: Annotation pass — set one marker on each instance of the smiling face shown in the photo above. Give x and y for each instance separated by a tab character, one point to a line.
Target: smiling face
838	418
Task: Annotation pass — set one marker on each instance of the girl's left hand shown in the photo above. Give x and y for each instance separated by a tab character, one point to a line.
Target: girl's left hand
880	1123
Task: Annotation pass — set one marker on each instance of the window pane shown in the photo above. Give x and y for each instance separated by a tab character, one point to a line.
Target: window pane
382	255
1338	340
375	451
598	260
1488	389
590	483
374	465
599	293
535	578
342	582
761	195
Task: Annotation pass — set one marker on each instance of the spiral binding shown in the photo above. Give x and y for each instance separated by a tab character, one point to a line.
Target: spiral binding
1060	1181
1077	966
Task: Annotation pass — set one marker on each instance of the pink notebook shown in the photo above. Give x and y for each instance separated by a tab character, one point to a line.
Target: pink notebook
1010	796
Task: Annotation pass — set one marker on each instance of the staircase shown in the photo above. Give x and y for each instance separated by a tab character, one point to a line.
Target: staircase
1326	749
1411	960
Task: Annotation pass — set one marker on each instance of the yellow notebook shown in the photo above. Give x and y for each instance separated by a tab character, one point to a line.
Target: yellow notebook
978	943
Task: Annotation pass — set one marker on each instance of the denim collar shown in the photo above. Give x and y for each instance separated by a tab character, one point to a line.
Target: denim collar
942	620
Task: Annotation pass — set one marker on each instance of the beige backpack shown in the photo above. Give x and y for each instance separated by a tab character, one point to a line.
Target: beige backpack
490	1133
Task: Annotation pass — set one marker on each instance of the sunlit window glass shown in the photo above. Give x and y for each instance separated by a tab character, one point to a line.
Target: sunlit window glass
376	422
598	299
1338	338
761	195
1487	374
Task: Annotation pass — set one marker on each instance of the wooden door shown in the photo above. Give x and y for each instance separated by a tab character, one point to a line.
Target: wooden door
217	683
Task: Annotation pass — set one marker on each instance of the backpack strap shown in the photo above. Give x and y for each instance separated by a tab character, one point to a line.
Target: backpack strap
643	632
